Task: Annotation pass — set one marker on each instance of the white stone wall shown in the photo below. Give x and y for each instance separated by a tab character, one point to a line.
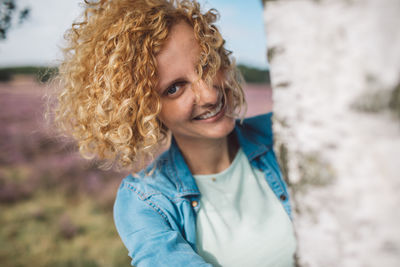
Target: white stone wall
334	67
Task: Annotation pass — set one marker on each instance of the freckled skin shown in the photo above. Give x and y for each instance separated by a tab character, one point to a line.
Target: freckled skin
190	97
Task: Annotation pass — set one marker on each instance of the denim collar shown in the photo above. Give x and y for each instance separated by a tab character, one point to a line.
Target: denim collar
252	140
253	144
179	172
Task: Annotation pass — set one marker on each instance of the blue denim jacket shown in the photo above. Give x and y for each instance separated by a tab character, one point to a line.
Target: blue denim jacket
156	216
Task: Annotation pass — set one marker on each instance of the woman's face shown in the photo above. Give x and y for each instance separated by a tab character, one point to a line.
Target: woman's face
190	109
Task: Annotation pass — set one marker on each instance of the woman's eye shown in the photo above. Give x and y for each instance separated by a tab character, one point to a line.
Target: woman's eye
174	89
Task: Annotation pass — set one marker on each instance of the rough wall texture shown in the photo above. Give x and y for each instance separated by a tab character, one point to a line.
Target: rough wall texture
335	70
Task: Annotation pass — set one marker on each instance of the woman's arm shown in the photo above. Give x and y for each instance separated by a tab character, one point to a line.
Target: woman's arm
148	237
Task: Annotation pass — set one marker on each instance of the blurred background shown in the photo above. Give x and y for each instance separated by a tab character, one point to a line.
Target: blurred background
56	208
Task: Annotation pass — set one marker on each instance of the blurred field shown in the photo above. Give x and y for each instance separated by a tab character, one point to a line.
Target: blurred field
56	209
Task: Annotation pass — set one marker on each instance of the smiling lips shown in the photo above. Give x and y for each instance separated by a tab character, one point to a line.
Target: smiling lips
213	112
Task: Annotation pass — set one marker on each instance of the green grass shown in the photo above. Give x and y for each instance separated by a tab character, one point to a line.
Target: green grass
51	229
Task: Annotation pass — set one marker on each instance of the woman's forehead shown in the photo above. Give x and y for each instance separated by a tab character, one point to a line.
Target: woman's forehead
179	54
180	36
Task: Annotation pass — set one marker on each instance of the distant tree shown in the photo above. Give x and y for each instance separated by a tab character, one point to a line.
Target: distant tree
254	75
264	1
8	11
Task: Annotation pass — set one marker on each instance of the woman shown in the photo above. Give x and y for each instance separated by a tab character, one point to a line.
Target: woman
138	73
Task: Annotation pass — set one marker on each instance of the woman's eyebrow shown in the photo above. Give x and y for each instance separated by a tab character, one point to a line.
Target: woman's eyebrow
166	85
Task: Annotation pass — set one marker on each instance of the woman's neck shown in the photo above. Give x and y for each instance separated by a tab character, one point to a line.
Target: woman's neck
208	156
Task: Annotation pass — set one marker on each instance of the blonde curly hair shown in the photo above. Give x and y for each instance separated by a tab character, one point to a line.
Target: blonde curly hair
108	101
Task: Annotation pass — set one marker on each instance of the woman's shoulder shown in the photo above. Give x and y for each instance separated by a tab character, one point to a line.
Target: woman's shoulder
257	128
258	122
151	181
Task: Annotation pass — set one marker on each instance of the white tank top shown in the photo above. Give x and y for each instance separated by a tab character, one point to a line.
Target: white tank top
240	221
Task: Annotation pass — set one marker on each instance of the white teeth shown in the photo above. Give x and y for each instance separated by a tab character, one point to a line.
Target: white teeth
211	113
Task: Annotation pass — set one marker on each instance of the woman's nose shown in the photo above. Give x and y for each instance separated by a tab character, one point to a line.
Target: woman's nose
205	95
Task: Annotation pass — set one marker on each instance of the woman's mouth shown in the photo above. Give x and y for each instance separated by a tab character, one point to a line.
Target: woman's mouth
212	113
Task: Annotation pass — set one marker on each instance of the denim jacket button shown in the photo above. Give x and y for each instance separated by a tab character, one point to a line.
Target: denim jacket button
282	197
195	203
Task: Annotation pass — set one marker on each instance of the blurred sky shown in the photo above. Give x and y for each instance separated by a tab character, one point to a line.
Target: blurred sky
36	41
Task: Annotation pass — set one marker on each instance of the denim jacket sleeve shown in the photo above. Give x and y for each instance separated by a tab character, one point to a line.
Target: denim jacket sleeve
147	235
